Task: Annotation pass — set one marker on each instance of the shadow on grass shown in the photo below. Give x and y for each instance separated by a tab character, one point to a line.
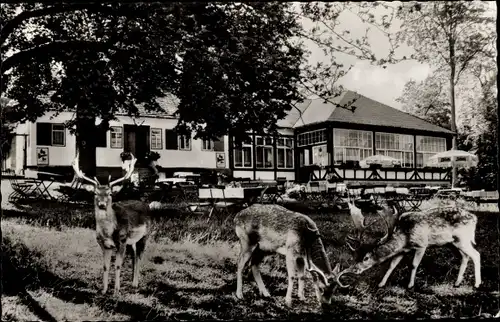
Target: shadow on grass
20	262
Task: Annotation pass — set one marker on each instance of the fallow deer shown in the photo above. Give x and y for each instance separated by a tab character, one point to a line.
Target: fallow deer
388	215
418	230
267	229
118	224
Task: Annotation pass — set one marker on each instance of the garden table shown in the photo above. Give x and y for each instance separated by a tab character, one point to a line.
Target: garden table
41	187
222	198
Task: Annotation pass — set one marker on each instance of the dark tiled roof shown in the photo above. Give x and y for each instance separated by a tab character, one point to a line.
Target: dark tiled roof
294	115
370	112
168	103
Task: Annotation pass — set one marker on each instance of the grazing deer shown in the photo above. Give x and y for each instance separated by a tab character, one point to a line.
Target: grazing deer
265	229
418	230
118	224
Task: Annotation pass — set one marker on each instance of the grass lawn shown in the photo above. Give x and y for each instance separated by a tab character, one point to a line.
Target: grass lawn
189	273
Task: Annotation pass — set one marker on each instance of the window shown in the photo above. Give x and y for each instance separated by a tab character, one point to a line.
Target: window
398	146
219	144
184	142
352	145
243	155
313	137
207	145
264	152
116	137
43	134
156	143
284	150
171	139
428	146
58	135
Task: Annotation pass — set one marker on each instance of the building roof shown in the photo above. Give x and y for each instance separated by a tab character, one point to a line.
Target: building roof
168	103
367	112
294	114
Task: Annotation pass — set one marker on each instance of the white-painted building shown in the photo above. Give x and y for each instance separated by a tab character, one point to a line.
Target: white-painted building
317	140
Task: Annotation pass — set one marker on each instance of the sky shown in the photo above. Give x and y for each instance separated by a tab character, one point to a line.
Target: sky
375	82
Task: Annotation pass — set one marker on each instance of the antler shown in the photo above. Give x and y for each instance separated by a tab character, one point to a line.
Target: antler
359	223
389	225
129	169
339	282
79	172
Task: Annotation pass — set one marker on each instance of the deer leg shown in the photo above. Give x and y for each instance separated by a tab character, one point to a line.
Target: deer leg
470	251
245	254
257	257
107	264
300	276
138	252
120	254
463	266
419	253
395	261
290	267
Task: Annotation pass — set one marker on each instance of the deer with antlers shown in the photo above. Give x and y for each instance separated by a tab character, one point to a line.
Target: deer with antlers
267	229
415	231
388	214
118	224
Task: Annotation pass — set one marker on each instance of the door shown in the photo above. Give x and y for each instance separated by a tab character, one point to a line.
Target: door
142	141
136	140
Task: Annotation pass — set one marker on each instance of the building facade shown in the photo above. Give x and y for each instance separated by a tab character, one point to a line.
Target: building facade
317	140
323	141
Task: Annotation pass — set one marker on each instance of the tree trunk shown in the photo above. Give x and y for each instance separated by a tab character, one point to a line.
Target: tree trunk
452	101
86	141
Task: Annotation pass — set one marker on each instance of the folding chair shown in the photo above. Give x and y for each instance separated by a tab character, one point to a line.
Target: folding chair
220	205
22	189
271	193
189	198
315	191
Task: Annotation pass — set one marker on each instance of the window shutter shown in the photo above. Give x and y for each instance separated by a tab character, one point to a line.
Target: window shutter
101	141
219	144
43	134
170	139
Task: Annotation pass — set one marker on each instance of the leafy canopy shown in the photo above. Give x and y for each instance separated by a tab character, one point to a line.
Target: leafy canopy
232	66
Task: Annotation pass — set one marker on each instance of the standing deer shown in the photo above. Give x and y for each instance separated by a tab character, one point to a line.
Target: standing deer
118	224
265	229
418	230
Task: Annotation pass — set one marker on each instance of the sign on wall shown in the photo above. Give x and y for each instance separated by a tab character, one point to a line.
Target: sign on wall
42	156
220	160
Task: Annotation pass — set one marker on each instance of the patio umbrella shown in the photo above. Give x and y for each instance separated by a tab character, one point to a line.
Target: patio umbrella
383	160
457	158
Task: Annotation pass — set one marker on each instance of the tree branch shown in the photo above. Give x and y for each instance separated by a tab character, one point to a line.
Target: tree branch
15	22
55	48
466	61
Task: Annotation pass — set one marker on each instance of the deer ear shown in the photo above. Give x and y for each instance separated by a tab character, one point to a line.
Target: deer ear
116	189
89	187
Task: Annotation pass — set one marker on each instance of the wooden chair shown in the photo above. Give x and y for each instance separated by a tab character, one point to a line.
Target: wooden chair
21	189
219	202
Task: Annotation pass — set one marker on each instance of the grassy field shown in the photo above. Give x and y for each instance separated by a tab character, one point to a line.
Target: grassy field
189	273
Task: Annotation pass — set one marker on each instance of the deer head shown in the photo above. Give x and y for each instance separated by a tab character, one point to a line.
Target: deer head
103	193
356	243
